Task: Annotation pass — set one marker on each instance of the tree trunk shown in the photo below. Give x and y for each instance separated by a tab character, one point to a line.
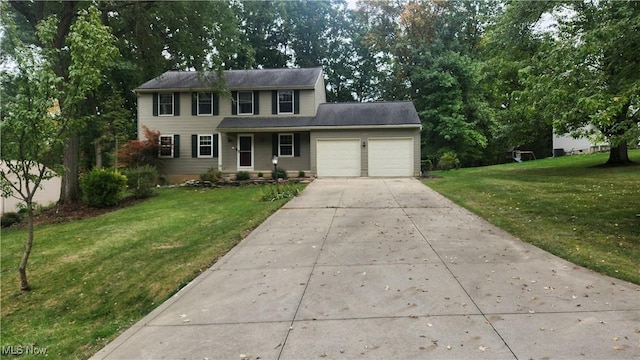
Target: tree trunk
98	149
619	155
70	186
22	269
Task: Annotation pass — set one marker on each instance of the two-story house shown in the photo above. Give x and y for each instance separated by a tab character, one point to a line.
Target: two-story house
269	112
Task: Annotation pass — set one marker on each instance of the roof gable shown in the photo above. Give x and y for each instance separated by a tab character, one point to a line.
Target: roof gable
236	79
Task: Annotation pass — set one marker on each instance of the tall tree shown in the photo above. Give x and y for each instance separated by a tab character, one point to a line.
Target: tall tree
40	107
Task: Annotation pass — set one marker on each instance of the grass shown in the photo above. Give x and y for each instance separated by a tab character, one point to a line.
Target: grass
568	206
94	278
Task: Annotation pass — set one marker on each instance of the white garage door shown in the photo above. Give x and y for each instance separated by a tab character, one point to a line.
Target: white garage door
338	157
390	157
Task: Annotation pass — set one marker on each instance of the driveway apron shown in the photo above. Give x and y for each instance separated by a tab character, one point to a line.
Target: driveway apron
364	268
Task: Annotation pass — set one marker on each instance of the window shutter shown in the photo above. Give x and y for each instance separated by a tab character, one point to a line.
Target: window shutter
215	145
176	146
274	144
216	105
194	146
176	104
274	102
256	102
234	100
296	101
296	144
155	104
194	103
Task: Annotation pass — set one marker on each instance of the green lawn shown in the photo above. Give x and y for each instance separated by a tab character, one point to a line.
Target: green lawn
92	279
588	215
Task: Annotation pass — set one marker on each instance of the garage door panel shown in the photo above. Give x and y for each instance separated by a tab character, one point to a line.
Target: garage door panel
338	157
391	157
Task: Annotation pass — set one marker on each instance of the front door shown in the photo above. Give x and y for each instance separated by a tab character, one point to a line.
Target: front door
245	152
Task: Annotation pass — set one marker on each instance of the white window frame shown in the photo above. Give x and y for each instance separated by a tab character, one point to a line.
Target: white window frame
200	145
172	145
160	103
200	95
280	145
280	102
252	103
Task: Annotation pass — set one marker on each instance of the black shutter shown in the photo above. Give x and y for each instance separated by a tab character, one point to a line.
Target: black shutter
176	104
274	102
215	145
274	144
176	146
234	100
194	146
155	104
256	102
296	144
194	103
216	104
296	101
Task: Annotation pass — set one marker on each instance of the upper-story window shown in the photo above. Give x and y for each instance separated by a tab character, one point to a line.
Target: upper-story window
205	103
285	102
245	102
165	104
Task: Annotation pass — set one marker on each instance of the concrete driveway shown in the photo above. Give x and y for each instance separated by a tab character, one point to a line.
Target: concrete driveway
387	269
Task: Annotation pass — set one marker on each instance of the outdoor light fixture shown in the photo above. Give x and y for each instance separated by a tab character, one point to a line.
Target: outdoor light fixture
274	161
364	144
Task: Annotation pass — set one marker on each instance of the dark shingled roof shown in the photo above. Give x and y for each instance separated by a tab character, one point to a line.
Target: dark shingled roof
369	113
237	79
400	113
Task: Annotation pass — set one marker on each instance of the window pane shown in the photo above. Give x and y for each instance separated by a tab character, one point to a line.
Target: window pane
166	146
165	102
285	101
206	145
205	103
245	102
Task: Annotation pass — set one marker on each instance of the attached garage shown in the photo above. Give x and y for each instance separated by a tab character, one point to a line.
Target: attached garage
338	157
391	157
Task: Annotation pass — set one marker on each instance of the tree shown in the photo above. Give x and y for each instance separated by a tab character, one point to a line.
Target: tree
39	106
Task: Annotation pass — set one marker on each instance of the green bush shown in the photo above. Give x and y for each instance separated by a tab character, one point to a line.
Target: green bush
279	191
102	188
10	218
282	174
212	175
448	161
301	173
142	181
243	175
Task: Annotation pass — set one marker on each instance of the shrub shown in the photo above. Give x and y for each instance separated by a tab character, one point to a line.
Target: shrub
10	218
448	161
137	153
102	188
426	166
260	174
141	181
243	175
282	174
301	173
277	191
212	175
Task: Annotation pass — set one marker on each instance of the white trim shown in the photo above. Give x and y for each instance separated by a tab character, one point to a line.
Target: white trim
293	145
253	104
173	145
199	146
198	103
293	101
173	104
252	152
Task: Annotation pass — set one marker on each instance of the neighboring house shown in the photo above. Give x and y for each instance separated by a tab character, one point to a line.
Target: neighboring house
279	112
567	144
48	193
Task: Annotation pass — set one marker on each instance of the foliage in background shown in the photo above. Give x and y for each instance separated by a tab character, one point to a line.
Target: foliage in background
448	161
102	188
136	153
